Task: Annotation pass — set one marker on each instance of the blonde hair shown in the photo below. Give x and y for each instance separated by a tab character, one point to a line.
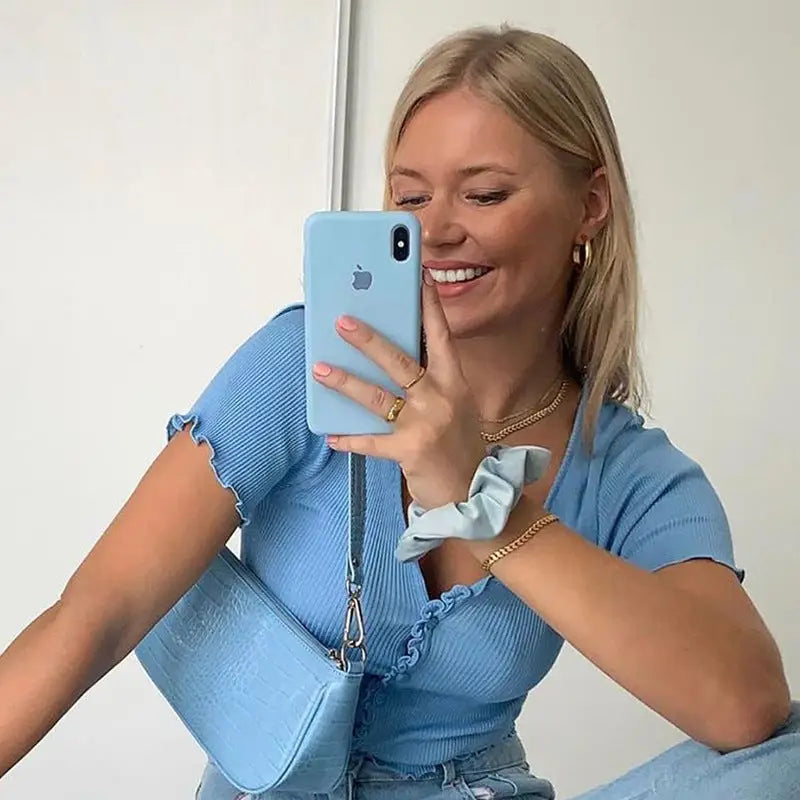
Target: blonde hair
548	90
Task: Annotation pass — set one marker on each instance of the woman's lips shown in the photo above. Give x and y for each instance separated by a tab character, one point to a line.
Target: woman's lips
454	278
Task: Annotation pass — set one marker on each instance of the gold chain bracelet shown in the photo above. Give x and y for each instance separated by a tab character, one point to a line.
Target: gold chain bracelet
519	541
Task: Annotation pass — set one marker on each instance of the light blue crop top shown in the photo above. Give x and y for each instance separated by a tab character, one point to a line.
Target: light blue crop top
448	676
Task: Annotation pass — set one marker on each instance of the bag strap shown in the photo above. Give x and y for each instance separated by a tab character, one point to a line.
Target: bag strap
358	509
354	634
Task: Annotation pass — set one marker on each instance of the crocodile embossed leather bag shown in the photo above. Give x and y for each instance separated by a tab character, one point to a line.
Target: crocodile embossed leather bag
271	706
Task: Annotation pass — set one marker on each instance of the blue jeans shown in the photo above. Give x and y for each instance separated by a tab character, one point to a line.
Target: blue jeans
689	771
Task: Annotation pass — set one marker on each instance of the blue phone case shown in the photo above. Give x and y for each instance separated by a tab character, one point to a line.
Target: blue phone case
349	267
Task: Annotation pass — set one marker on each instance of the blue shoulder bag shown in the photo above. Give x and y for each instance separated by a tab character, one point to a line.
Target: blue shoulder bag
270	705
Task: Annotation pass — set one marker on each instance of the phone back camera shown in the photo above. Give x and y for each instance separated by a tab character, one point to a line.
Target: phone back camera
400	243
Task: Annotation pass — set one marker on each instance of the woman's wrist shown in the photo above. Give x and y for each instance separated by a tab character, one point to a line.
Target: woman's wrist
525	513
496	489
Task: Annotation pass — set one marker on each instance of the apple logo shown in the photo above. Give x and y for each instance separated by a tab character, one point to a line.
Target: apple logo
362	279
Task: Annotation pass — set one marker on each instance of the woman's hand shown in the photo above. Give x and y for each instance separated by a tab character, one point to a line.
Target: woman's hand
436	440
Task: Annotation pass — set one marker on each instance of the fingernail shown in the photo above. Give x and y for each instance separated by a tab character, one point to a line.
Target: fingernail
347	323
333	440
427	277
321	370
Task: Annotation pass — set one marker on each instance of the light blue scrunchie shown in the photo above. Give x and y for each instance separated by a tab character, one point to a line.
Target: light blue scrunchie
494	491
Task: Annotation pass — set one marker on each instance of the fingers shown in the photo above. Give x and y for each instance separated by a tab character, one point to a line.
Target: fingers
396	363
437	331
376	446
374	398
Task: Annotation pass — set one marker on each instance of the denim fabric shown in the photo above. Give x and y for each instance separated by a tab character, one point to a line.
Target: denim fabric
689	771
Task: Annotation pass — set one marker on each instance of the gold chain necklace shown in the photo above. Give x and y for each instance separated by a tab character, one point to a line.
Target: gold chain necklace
531	419
530	409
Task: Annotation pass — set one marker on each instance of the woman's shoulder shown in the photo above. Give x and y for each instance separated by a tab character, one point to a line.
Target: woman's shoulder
624	441
654	503
252	412
267	367
632	465
280	338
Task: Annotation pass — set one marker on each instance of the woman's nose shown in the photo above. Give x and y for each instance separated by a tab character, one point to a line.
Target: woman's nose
440	227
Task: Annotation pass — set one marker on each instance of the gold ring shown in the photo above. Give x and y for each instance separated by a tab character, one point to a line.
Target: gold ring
395	410
415	379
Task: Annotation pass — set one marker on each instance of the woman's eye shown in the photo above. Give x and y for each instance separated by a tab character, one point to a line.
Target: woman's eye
488	198
409	201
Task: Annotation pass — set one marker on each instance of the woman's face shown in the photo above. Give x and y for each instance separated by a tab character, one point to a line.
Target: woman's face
498	218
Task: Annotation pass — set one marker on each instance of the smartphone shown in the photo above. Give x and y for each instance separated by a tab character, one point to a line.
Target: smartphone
366	264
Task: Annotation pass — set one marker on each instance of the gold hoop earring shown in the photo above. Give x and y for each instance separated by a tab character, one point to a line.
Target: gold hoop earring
582	254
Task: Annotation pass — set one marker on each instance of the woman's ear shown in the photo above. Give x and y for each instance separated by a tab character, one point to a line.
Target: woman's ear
596	204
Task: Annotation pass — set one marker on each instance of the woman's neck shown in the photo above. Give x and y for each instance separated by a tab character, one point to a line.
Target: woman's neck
511	371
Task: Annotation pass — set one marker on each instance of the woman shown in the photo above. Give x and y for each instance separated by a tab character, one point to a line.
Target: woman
502	144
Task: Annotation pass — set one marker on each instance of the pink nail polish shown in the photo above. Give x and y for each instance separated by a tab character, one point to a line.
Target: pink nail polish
322	370
347	323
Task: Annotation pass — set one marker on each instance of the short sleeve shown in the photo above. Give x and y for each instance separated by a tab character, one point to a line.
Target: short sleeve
252	413
656	507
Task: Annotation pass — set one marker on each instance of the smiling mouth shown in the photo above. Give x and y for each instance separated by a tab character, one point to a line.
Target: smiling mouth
461	275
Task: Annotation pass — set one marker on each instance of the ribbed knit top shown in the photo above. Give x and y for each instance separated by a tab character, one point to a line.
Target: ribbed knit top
445	676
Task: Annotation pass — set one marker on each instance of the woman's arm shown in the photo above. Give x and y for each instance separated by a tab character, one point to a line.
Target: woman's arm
175	522
685	640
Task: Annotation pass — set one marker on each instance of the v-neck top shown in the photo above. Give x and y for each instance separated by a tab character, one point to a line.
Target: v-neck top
445	677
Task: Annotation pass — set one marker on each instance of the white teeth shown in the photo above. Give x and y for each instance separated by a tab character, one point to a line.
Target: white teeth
457	275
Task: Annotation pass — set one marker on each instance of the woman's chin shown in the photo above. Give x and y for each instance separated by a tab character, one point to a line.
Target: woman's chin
467	323
469	307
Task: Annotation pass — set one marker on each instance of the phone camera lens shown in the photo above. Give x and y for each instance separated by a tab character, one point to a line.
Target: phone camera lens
400	243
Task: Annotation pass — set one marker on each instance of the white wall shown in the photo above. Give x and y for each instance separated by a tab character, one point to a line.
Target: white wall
704	99
156	163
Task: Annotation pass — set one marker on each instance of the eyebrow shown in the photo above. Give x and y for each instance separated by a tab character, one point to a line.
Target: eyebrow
466	172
